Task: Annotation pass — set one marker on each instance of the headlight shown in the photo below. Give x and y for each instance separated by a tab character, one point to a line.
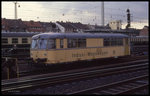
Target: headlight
45	54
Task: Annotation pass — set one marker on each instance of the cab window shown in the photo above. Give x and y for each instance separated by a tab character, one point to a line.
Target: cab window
34	44
42	44
51	44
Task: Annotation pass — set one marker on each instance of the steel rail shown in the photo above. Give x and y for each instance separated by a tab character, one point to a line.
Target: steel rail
66	77
76	74
72	74
24	79
89	68
102	87
132	90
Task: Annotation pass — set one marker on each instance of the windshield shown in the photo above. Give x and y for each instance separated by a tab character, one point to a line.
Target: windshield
34	44
42	44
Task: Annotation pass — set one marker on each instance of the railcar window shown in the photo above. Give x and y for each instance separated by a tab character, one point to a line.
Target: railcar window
24	40
14	40
106	42
126	41
4	40
34	44
51	44
69	43
72	43
61	43
42	44
81	43
120	41
76	43
113	41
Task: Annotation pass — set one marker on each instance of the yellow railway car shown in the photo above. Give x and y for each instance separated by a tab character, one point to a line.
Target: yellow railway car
54	48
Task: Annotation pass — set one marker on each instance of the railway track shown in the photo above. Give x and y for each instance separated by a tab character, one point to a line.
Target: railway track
121	87
24	69
76	65
47	79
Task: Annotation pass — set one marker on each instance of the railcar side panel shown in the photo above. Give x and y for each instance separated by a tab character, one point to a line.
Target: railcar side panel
69	55
94	42
65	42
57	43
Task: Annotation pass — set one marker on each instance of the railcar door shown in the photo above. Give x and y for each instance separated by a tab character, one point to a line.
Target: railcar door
127	46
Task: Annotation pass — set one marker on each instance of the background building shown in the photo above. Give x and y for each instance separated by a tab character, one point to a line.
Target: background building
13	25
33	26
115	25
144	31
49	27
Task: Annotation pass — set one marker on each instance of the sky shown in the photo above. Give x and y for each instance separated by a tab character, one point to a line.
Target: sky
84	12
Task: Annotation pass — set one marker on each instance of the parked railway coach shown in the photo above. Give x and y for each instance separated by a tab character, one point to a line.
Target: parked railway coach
18	41
54	48
139	40
139	45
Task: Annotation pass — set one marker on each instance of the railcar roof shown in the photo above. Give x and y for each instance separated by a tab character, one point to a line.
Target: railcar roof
18	34
78	35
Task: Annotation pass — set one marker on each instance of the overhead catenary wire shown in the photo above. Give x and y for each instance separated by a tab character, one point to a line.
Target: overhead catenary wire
75	12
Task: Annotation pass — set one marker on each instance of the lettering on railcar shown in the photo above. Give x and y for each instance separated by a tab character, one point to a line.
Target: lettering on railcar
96	53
